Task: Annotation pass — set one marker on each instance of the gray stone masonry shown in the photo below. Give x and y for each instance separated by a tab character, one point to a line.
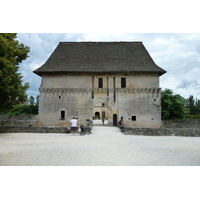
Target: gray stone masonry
192	132
178	127
32	129
181	123
19	120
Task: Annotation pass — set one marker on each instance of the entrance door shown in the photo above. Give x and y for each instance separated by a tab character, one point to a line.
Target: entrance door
97	115
114	120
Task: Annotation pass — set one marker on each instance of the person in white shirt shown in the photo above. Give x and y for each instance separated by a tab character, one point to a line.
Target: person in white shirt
74	123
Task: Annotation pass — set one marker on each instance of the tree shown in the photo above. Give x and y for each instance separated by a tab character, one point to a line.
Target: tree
12	91
193	105
31	100
37	100
172	105
197	104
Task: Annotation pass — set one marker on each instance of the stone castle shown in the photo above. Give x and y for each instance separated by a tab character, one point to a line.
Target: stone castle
95	80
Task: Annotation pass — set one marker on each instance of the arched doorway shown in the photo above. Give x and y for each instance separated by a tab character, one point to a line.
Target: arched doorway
100	111
97	115
114	119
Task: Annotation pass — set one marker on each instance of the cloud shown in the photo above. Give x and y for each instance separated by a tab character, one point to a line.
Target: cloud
178	54
41	47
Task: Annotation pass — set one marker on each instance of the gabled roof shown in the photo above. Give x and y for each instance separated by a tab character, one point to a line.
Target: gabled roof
100	57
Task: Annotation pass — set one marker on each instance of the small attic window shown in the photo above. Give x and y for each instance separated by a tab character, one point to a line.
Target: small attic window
123	82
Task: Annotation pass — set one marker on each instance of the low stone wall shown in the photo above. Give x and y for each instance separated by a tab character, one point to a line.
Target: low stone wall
31	129
190	132
19	120
29	124
181	123
180	127
34	129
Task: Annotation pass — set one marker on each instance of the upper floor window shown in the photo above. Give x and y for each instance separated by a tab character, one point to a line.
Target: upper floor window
123	82
100	82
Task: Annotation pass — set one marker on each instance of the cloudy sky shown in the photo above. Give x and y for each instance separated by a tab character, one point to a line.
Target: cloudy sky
177	53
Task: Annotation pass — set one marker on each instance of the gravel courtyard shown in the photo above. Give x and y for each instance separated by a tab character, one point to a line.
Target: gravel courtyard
106	146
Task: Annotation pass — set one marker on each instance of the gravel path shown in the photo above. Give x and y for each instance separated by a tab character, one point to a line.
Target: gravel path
107	146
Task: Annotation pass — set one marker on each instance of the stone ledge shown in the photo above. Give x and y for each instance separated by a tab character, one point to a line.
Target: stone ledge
188	132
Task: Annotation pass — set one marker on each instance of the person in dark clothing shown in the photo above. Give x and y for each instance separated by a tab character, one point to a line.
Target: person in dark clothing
121	123
103	121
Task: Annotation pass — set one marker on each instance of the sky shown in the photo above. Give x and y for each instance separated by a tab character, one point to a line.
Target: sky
177	53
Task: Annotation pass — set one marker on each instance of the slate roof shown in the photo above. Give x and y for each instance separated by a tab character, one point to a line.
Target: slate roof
99	57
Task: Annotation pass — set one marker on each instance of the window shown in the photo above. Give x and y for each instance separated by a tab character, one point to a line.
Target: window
123	82
62	114
100	82
114	89
92	87
133	118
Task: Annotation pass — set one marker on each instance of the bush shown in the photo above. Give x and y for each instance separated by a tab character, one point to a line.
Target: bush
23	110
192	117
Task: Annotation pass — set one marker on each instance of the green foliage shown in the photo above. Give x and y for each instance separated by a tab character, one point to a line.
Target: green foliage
172	105
23	110
192	117
31	100
37	100
193	105
12	91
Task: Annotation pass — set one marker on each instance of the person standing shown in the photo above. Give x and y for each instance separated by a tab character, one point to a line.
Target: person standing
74	127
121	123
103	121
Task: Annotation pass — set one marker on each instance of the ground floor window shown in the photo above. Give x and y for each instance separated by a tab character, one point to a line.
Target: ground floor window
133	118
62	114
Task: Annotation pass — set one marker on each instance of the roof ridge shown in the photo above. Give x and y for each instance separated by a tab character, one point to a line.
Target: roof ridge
103	42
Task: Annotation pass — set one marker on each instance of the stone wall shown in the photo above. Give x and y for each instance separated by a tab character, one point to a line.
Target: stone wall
63	96
191	132
181	123
31	129
28	124
19	120
181	127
